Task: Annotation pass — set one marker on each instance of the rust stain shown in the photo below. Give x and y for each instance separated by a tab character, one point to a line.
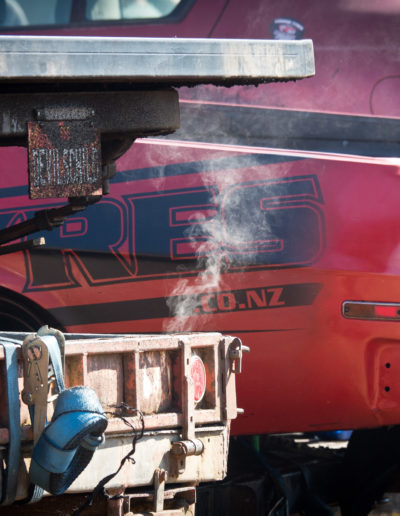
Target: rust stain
156	382
74	371
65	133
130	388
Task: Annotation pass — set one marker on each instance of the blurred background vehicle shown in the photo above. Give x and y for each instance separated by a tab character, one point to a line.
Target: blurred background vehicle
272	214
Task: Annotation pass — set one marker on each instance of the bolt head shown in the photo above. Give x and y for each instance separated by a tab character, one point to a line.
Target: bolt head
26	397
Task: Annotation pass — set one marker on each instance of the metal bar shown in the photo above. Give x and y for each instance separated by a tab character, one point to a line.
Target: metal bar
121	345
153	60
115	113
159	489
97	344
22	246
117	428
43	219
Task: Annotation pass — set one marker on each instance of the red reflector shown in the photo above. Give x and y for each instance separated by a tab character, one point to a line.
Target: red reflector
386	311
198	374
370	311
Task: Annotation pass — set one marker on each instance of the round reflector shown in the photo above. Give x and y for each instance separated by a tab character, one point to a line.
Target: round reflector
198	374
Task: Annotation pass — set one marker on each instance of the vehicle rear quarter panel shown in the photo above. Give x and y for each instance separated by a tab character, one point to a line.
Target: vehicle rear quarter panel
293	235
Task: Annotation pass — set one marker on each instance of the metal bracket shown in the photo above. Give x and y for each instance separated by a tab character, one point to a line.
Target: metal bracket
22	246
121	503
187	394
160	477
42	220
236	351
182	449
189	445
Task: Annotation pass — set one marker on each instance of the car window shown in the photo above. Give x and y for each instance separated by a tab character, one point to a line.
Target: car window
16	13
128	9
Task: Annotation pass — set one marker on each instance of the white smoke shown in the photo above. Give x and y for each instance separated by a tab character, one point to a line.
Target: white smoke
208	236
183	300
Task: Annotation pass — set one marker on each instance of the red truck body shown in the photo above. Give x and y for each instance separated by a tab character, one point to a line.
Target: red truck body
270	209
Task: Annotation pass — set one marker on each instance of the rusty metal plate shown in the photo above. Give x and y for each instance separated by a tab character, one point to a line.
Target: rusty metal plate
64	159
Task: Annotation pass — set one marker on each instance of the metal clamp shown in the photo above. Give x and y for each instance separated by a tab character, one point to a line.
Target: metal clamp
183	449
40	372
236	351
36	365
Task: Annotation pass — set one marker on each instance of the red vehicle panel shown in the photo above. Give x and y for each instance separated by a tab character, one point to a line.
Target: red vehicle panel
268	210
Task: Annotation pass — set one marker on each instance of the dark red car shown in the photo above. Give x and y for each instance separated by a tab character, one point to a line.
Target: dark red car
272	214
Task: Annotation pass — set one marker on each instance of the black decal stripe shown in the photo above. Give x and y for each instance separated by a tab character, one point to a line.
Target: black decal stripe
299	294
180	169
134	310
196	167
288	129
14	191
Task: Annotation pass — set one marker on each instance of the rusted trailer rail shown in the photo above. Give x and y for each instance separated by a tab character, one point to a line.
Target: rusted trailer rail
186	408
